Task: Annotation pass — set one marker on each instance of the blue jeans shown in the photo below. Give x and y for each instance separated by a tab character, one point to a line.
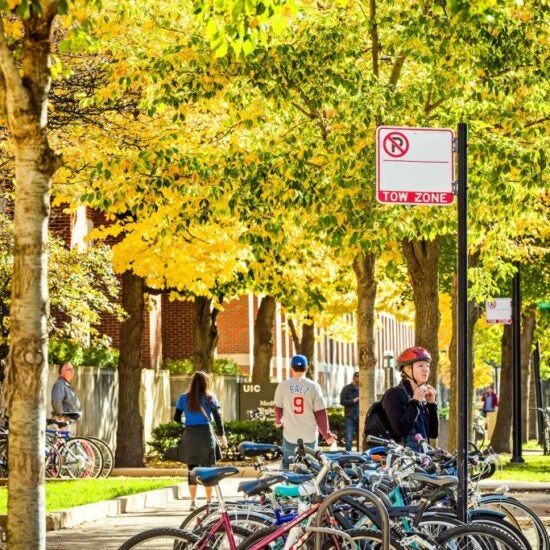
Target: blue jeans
351	430
289	450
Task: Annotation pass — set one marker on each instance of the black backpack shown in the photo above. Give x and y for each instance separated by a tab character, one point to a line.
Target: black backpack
377	424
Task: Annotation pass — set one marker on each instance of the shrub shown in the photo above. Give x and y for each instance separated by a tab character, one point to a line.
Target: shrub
185	366
263	431
165	435
99	354
178	366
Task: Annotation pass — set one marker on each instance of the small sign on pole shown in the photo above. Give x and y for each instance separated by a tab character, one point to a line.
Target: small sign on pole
499	311
414	165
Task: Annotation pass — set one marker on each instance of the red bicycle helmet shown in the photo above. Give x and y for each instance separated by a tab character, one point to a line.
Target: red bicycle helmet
412	355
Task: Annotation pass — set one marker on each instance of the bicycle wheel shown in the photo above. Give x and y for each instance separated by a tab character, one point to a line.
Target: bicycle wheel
219	540
52	462
367	539
81	459
519	515
107	455
161	538
477	537
257	538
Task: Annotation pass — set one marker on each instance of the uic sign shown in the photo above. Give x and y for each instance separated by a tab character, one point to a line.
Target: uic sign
414	165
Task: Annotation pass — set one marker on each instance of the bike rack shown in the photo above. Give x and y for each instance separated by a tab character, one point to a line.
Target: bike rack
354	491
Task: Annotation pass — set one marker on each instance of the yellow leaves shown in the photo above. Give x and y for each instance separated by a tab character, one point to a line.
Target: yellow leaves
14	28
12	4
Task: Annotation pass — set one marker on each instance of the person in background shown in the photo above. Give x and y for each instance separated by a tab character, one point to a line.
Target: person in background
198	406
300	410
349	399
65	402
489	400
410	406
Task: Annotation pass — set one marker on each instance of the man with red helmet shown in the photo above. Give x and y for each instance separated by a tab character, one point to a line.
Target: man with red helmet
410	406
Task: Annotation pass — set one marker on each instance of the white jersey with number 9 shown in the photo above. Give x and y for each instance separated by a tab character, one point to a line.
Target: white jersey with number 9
299	398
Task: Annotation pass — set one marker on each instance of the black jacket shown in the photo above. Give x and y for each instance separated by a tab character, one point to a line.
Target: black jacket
408	416
347	395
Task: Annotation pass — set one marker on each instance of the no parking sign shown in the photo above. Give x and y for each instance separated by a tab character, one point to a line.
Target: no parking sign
414	165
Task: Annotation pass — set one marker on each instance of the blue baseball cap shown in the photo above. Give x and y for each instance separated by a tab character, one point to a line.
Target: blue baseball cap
299	361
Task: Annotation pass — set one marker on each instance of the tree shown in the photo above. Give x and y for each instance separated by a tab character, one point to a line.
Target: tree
25	30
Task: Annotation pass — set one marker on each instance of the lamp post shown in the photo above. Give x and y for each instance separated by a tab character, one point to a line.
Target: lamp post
389	364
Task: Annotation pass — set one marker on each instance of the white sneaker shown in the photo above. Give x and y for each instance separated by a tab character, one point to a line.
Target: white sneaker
192	506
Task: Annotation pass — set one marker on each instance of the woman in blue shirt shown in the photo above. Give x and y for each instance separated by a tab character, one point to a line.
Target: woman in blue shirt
198	406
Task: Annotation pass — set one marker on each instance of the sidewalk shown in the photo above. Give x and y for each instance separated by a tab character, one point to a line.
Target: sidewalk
105	525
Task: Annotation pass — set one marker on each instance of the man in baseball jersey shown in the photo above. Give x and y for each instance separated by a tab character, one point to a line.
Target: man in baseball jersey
300	410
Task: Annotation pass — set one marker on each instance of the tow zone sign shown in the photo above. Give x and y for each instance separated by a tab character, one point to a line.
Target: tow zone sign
414	165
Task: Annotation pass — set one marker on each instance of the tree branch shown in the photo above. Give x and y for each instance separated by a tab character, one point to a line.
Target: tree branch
396	71
11	83
374	39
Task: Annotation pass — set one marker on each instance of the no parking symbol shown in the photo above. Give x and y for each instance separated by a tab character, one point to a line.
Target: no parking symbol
396	144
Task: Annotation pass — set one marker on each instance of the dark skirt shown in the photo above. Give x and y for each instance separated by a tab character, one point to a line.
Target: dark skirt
198	446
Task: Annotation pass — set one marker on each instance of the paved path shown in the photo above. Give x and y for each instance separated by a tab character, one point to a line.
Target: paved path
109	533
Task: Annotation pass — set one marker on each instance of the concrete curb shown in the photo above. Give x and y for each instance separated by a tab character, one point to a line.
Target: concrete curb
72	517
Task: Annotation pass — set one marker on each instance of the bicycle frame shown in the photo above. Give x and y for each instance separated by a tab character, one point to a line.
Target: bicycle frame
286	527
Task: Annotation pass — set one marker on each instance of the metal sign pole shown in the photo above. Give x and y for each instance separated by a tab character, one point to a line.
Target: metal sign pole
516	370
462	323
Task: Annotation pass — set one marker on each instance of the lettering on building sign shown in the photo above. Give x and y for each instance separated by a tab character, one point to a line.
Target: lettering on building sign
251	388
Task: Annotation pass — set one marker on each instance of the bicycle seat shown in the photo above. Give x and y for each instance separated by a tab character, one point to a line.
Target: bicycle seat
58	423
209	477
255	487
247	448
437	481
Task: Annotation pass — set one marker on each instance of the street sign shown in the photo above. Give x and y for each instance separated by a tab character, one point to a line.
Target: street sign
414	165
499	310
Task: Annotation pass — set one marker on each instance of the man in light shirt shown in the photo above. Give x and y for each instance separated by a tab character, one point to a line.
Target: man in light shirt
300	410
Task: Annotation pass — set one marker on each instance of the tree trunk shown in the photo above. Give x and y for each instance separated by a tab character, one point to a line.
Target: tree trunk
503	426
129	448
528	323
206	334
422	262
24	87
364	267
305	345
263	340
473	315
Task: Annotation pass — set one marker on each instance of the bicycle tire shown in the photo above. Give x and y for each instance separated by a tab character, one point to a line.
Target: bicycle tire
219	539
107	455
519	515
477	536
195	518
161	538
81	458
52	462
362	539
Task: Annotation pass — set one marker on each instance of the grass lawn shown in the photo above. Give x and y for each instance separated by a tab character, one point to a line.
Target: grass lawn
536	468
66	494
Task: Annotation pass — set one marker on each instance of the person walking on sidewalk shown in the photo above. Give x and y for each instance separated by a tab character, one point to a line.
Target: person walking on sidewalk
199	444
349	399
300	410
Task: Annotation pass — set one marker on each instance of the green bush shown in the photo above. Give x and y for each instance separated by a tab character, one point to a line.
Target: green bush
225	366
99	354
185	366
165	435
178	366
262	431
